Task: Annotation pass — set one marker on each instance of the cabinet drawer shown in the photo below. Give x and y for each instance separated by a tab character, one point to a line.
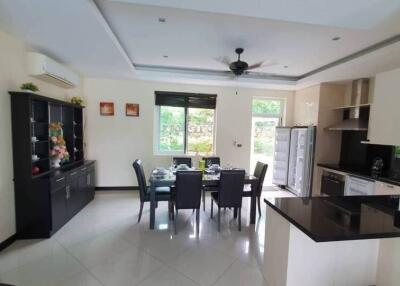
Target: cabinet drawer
382	188
58	182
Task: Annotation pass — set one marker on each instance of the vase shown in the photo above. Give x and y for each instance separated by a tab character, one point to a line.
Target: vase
55	162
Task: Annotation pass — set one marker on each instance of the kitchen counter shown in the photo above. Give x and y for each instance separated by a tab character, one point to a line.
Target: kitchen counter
360	172
332	241
341	218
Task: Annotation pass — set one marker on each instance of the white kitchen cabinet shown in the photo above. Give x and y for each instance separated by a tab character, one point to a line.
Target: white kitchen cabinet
384	115
382	188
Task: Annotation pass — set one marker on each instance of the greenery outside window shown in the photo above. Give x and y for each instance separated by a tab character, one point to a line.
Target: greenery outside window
185	123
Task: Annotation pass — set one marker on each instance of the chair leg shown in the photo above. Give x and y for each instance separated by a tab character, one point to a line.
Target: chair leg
198	221
259	205
212	208
204	201
219	219
172	211
194	210
240	219
140	211
175	221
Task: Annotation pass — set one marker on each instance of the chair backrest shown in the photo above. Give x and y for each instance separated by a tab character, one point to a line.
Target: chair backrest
212	160
182	160
230	188
259	172
188	189
141	178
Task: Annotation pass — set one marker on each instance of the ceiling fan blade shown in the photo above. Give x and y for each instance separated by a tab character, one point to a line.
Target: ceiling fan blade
262	64
224	60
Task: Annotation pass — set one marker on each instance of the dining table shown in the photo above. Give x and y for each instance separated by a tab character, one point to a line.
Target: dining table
167	178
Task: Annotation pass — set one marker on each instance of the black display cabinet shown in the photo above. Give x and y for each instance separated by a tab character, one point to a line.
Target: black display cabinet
46	197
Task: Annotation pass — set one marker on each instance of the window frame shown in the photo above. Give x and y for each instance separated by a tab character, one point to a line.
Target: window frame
156	136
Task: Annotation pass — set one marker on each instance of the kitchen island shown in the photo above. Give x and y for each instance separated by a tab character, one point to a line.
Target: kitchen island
332	241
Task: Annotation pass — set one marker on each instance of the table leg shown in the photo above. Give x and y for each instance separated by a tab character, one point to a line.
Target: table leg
253	204
152	206
235	212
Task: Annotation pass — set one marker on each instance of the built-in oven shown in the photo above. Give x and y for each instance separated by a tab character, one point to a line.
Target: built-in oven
332	184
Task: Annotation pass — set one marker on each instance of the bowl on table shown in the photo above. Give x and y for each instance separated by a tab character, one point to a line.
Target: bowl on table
182	167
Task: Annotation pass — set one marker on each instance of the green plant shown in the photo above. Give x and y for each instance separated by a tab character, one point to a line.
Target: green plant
29	86
77	100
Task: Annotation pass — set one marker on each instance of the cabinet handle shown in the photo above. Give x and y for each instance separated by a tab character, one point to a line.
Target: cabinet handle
73	174
390	186
67	190
60	179
83	169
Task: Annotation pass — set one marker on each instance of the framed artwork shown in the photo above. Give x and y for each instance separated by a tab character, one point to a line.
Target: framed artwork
107	108
132	109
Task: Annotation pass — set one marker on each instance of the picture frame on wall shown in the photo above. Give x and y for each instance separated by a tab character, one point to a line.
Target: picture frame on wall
107	108
132	109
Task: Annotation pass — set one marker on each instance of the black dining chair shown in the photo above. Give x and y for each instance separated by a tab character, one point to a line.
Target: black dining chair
211	160
259	172
187	194
182	160
229	194
162	193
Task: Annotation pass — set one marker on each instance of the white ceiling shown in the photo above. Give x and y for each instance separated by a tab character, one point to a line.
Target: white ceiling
337	13
104	42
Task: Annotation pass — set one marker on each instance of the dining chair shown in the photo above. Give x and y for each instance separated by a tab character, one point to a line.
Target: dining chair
162	193
176	161
259	172
211	160
229	194
208	162
187	194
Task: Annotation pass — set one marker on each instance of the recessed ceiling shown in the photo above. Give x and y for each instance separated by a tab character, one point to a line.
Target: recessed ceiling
184	39
337	13
194	39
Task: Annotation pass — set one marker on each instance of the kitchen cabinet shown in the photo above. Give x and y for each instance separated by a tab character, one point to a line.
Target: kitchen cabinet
382	188
384	115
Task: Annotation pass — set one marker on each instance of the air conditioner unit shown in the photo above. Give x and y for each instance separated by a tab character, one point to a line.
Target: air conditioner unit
47	69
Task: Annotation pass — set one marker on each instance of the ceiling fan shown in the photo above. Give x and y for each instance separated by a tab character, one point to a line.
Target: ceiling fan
239	67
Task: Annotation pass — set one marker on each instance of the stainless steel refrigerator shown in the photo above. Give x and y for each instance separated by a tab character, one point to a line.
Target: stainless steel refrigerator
294	159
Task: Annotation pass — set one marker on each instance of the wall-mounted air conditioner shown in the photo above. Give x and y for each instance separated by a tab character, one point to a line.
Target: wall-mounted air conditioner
47	69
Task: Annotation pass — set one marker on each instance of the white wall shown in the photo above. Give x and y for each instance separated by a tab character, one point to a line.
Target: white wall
116	141
12	74
306	106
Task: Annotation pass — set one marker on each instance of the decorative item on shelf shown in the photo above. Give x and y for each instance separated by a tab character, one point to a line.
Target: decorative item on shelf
29	86
35	157
35	170
132	109
58	150
77	100
107	108
34	139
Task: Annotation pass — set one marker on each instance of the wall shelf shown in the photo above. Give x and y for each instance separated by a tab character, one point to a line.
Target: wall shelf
352	106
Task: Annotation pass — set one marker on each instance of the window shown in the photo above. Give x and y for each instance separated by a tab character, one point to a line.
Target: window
185	123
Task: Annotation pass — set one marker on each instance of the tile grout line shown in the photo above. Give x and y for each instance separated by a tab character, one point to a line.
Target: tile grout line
77	260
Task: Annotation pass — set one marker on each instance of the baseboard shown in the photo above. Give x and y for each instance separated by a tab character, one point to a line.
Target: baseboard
115	188
8	242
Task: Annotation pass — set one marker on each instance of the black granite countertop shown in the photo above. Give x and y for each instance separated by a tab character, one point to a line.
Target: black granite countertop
326	219
361	172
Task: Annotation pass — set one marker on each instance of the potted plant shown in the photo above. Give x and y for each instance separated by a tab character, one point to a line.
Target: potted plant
77	100
30	86
58	150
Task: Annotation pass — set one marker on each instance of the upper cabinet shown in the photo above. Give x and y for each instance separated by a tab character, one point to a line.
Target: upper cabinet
384	121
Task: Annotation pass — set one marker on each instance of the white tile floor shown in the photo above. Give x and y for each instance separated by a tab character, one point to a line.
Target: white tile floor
103	245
